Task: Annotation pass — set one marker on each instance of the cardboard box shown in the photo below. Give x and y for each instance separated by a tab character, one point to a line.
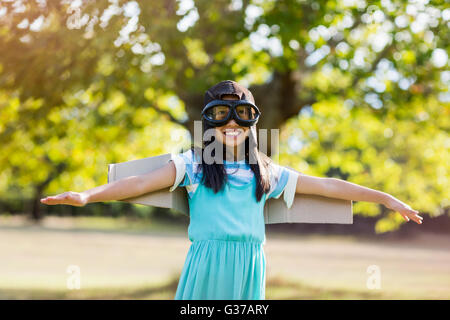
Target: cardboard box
305	208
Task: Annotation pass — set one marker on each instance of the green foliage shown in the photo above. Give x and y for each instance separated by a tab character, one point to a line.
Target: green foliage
400	152
85	84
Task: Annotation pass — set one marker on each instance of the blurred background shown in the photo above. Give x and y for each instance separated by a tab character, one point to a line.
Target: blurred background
359	90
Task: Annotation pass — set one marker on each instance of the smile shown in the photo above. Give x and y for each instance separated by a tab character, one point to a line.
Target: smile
232	132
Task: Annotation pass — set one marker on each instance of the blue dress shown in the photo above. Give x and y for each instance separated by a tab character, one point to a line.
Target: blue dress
226	258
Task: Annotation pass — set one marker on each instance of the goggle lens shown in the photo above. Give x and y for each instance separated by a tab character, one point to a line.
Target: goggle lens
244	112
218	112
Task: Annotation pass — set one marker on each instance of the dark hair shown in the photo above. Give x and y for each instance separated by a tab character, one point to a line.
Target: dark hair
215	175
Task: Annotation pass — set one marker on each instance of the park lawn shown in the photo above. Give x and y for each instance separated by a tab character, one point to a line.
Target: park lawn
123	259
277	288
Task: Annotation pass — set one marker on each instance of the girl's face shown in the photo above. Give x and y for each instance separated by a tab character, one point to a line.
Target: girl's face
231	134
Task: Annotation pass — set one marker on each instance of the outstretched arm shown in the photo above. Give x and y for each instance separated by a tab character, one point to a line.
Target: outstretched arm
341	189
125	188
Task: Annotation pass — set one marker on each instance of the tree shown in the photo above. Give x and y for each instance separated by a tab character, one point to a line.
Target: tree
293	55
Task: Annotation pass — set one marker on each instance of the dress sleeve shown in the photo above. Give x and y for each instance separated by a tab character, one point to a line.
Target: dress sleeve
283	180
185	169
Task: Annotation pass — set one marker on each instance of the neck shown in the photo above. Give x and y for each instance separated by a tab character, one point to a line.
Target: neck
235	153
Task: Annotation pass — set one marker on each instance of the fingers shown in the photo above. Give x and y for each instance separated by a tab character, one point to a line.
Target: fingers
50	200
58	199
413	215
418	219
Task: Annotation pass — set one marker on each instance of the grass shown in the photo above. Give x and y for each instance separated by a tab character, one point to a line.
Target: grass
277	288
126	259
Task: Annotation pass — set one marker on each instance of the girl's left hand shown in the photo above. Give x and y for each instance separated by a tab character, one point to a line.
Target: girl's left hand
405	210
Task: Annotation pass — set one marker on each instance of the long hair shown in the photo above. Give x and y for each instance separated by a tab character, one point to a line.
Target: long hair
215	175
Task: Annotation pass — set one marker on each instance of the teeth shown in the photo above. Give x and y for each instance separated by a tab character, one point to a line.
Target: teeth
232	132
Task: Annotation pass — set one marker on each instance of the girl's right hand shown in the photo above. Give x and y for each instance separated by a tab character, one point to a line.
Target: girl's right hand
71	198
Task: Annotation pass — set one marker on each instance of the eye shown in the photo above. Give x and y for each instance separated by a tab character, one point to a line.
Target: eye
218	112
245	112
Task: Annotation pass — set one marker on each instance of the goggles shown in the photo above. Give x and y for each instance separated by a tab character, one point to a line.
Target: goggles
218	112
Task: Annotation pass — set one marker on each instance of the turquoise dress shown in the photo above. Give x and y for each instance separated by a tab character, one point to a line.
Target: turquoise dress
226	258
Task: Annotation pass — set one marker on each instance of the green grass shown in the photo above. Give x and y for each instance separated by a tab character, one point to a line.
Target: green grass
276	288
129	259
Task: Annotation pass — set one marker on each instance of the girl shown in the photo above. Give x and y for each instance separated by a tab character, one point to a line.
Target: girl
228	182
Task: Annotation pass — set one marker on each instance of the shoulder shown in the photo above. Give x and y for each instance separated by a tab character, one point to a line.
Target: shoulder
190	156
188	166
277	172
280	178
187	156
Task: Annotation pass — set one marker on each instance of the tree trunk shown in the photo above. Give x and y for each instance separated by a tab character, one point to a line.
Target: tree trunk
36	212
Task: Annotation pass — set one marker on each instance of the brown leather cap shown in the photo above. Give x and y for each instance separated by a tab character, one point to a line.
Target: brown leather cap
228	87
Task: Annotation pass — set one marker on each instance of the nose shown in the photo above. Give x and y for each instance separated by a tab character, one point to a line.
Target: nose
232	123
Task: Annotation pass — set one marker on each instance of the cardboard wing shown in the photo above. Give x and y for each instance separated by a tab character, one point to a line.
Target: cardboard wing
305	208
176	199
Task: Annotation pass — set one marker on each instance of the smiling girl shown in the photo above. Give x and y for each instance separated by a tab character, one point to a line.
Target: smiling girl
227	189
